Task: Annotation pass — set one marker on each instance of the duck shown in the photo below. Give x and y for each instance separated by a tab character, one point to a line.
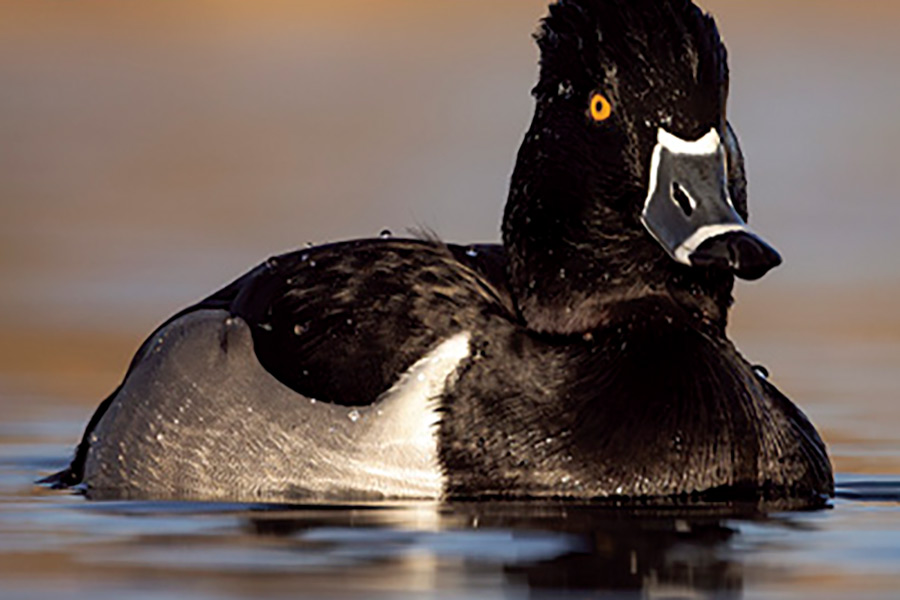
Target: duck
584	358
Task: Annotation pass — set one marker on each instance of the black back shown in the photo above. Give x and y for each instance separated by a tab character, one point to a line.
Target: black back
339	323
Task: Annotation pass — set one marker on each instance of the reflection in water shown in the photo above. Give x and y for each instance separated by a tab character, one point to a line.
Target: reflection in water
666	553
658	556
51	542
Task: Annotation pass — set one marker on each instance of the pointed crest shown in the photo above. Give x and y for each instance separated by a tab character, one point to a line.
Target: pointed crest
666	54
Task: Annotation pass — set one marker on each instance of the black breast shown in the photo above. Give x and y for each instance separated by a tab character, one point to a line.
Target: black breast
649	406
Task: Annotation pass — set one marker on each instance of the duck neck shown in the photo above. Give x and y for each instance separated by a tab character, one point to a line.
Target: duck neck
576	252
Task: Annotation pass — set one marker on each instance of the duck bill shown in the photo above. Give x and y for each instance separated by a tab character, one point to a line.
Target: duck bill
690	213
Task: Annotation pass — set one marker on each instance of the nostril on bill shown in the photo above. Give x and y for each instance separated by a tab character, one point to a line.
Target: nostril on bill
682	199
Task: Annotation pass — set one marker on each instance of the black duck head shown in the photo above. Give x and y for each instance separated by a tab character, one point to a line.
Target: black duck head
630	180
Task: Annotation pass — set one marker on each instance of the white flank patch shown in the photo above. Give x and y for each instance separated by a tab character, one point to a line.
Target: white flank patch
404	430
684	251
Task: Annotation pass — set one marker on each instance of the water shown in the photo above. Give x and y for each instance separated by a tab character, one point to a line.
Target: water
56	543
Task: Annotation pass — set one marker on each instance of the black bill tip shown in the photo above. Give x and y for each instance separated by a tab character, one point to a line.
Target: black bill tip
741	252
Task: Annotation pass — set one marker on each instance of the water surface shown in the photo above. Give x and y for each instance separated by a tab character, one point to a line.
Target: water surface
55	543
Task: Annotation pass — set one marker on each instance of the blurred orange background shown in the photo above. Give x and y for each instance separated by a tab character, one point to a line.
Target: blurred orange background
151	151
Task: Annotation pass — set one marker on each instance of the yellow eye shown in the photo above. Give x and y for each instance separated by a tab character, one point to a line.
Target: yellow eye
601	109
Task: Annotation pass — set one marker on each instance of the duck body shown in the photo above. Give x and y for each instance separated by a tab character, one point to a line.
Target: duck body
585	358
647	405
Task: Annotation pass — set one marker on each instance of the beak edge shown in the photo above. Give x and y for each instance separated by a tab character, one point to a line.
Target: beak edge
740	251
